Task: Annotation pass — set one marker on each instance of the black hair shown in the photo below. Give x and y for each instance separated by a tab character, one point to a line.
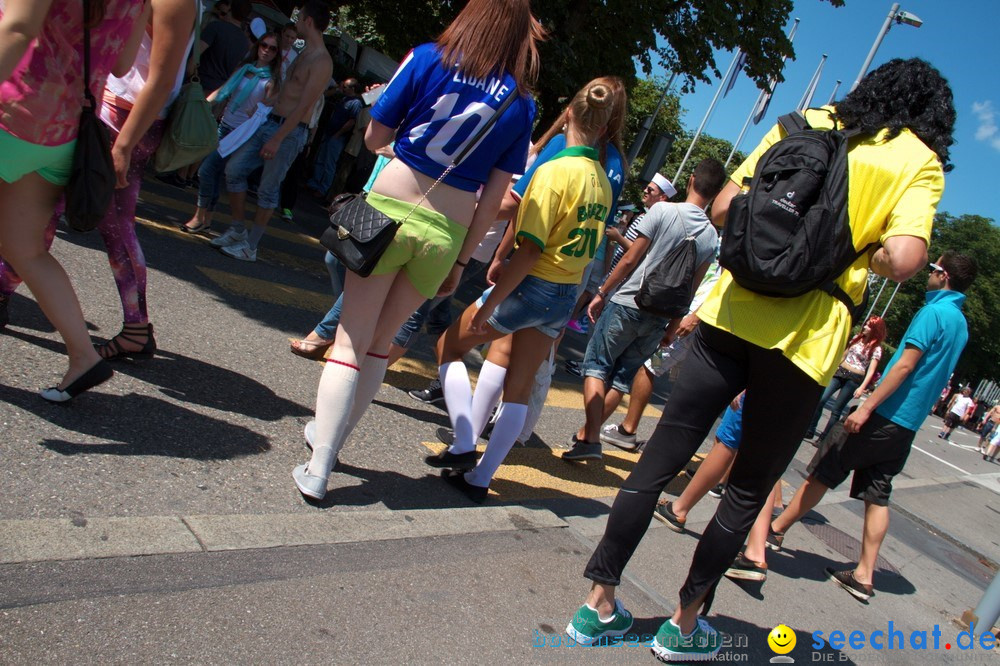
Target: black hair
709	177
904	93
288	26
961	270
240	9
319	12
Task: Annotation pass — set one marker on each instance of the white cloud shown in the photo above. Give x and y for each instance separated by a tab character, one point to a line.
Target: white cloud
987	131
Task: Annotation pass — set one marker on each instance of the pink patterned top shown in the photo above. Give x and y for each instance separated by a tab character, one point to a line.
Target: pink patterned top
41	101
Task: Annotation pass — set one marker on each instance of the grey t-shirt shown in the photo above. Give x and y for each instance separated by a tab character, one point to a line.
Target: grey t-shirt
666	225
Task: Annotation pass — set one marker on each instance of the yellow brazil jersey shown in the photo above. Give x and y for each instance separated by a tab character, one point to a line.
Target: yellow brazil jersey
894	189
563	212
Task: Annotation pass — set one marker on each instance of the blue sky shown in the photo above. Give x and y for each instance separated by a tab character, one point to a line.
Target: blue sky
959	37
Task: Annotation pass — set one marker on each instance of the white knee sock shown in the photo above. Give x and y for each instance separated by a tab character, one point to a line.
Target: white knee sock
510	420
369	382
487	395
458	398
334	402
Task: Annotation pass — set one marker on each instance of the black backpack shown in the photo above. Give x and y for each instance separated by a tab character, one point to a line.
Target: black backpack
790	233
666	290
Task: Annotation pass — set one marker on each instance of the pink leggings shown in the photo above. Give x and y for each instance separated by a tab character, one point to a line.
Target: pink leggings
117	229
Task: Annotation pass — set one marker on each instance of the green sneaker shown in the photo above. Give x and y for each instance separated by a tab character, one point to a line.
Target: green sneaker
702	645
587	628
286	214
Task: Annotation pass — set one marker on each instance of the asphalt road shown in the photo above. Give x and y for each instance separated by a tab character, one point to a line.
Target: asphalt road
211	428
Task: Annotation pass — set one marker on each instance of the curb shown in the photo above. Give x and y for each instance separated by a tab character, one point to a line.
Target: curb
43	540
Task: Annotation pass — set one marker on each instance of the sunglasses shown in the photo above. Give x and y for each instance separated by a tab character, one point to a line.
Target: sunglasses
936	269
269	47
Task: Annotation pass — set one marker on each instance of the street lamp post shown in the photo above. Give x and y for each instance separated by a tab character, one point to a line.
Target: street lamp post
894	15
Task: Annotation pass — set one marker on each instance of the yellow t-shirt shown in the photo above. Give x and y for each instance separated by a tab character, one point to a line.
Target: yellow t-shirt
563	212
894	189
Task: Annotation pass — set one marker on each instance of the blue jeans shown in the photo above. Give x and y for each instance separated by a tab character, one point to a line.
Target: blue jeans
327	328
623	339
846	386
247	158
534	303
326	163
209	173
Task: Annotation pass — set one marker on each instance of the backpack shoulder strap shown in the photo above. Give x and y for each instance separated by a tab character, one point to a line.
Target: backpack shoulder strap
793	122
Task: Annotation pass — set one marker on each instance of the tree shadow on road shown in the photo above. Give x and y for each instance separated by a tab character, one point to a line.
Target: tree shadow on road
138	425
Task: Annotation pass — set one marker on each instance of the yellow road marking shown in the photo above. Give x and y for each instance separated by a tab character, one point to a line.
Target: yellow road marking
541	473
268	291
188	209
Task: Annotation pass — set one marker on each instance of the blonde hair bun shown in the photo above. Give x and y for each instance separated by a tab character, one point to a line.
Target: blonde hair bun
599	96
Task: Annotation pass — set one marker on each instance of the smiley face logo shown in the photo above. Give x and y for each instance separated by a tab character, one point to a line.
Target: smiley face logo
781	640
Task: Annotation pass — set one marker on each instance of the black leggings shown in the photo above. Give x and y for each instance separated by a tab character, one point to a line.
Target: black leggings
778	406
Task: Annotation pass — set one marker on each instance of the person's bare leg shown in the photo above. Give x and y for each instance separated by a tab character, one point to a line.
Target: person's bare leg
806	497
687	618
876	527
395	353
593	405
756	546
201	217
612	398
237	206
715	465
602	599
638	399
25	209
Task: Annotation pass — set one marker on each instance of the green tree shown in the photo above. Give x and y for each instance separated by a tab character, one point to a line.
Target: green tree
589	39
978	237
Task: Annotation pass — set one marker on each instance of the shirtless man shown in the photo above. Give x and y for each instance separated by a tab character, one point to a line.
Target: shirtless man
990	422
278	141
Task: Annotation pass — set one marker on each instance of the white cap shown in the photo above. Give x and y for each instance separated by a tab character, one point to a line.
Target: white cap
665	185
258	27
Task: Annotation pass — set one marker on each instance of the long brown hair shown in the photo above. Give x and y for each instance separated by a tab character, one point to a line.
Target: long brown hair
615	118
493	36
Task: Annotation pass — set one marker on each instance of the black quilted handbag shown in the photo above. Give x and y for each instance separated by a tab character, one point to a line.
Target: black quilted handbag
359	234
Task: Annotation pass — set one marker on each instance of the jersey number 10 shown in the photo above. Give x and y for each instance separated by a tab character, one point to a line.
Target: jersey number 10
443	108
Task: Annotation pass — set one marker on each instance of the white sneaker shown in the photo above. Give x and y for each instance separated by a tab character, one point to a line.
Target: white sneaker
240	250
231	237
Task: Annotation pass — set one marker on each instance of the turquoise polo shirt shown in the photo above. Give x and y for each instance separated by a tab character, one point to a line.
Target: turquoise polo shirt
940	331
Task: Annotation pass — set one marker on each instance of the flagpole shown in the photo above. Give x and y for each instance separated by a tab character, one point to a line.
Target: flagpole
811	88
833	95
704	121
743	131
760	100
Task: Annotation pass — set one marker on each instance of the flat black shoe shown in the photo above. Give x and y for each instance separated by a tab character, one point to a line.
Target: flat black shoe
99	373
5	316
456	480
448	460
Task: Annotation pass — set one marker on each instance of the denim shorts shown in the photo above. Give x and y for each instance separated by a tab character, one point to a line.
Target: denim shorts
623	339
535	303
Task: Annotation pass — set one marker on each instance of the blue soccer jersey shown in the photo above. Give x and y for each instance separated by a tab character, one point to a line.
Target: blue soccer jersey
614	165
437	111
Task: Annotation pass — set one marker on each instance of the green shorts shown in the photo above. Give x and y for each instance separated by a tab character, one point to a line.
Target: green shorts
20	157
425	247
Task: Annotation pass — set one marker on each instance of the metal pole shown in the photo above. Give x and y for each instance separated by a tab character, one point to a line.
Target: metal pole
811	88
833	95
878	42
647	124
886	308
708	114
743	131
988	610
885	281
